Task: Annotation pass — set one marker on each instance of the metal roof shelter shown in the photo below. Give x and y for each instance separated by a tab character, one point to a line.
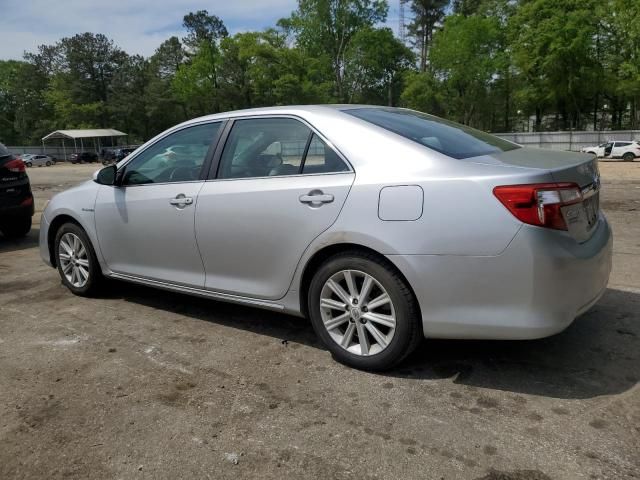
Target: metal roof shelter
84	133
81	134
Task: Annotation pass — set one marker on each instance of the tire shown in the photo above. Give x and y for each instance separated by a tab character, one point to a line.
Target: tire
401	340
29	164
628	157
16	227
82	260
48	164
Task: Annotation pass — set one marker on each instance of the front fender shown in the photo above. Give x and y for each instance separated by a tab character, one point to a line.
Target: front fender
77	205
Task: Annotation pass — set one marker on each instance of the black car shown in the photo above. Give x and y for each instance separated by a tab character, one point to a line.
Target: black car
16	199
84	157
123	152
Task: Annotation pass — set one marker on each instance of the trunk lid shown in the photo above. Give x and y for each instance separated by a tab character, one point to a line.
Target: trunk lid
580	168
563	167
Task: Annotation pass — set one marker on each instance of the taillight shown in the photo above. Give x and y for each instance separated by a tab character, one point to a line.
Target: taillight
16	165
539	204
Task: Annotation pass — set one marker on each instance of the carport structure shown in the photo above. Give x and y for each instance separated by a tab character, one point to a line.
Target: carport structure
82	135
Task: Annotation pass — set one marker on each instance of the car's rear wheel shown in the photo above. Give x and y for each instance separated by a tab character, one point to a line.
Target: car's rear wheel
16	227
48	163
363	311
76	260
628	157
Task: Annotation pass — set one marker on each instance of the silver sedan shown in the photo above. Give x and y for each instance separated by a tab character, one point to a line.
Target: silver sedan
381	225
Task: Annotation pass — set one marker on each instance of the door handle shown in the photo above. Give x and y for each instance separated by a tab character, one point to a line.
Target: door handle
316	198
181	200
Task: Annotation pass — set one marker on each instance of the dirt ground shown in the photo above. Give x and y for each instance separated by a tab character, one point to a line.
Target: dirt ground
147	384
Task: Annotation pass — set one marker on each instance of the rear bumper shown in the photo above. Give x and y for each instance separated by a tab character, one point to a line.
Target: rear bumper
534	289
16	211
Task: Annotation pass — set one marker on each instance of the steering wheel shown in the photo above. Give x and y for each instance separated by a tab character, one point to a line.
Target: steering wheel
182	174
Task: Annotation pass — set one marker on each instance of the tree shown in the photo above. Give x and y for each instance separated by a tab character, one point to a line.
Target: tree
422	92
374	62
196	83
426	14
463	57
553	50
203	28
325	29
467	7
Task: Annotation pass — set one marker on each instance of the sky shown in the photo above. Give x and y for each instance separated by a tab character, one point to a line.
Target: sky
136	26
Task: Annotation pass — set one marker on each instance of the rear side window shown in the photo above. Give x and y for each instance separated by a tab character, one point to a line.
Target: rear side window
450	138
623	144
273	147
322	159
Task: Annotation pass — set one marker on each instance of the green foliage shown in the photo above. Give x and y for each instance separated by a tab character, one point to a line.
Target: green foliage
464	56
325	29
374	62
488	63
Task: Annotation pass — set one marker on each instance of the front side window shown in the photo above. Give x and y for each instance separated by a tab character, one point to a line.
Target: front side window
176	158
452	139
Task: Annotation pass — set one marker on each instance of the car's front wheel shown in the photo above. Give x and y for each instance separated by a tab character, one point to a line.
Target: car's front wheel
29	164
48	163
76	260
363	311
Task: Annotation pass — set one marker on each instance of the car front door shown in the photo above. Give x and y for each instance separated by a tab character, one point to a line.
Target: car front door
278	186
607	149
146	224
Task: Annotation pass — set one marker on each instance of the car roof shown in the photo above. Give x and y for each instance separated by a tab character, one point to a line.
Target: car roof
283	110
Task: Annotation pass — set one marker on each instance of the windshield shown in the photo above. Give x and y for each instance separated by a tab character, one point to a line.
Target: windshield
450	138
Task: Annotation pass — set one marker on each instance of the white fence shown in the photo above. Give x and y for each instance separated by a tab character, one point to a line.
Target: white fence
568	140
547	140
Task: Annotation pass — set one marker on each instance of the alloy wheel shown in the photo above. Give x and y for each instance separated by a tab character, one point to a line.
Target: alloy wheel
357	312
74	260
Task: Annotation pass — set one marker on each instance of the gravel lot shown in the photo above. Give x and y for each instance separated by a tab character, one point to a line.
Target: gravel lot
147	384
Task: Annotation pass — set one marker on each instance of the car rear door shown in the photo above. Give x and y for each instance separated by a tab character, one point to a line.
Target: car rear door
619	148
146	226
277	186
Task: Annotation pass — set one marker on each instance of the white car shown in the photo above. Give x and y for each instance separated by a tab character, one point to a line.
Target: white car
37	160
627	151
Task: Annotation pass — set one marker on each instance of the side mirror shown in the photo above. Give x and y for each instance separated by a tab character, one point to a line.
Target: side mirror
106	175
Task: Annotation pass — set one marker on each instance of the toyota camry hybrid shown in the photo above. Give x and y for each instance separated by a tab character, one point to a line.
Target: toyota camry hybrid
381	225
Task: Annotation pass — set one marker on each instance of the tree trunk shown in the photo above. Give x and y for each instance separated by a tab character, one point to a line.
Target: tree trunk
423	48
595	111
507	108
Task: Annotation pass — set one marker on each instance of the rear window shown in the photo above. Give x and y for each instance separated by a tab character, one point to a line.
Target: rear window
450	138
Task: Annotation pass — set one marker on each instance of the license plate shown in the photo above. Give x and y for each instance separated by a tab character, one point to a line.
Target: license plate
591	207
